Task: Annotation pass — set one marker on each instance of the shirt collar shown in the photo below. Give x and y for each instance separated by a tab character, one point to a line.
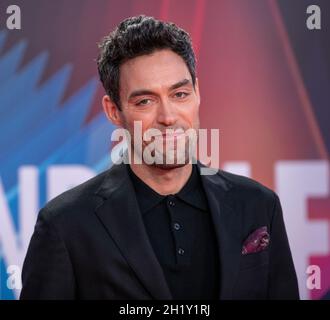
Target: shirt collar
191	193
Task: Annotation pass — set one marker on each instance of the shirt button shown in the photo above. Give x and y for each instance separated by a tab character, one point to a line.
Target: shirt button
171	203
181	252
177	226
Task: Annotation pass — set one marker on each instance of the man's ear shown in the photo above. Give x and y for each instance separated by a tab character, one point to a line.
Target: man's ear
111	111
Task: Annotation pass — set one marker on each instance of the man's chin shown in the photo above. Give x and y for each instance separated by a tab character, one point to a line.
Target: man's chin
168	163
166	166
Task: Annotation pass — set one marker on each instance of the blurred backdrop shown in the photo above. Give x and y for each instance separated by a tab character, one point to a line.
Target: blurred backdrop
265	84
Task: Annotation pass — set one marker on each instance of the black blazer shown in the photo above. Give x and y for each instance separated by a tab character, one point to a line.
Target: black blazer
90	243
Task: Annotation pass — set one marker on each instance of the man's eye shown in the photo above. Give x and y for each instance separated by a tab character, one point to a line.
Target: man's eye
181	94
143	102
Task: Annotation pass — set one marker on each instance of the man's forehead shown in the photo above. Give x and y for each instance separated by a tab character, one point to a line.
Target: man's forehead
160	69
154	89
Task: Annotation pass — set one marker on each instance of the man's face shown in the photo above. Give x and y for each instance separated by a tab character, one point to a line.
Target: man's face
157	90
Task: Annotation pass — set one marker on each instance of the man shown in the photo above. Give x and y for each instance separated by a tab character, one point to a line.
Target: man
159	230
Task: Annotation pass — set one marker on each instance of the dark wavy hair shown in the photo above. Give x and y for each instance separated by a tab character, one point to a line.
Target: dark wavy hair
138	36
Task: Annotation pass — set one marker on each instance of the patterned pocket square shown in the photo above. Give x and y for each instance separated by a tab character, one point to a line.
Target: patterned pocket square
257	241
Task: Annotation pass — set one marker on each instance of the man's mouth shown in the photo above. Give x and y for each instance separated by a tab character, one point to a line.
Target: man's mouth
172	136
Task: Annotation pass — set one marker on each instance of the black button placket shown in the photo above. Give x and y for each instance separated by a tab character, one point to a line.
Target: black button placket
180	227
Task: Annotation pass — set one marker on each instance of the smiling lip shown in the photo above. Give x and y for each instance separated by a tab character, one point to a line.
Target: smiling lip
172	135
173	132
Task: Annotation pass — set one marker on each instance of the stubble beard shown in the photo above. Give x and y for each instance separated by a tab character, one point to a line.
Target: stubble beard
167	155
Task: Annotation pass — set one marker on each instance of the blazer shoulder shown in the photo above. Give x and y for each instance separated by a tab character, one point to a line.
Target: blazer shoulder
79	199
247	186
257	201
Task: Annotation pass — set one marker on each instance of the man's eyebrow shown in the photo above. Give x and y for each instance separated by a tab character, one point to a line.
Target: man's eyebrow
180	84
143	92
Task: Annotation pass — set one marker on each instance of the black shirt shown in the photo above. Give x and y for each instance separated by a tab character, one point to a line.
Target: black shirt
181	232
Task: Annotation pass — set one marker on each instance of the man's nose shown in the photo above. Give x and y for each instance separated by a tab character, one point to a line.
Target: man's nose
167	115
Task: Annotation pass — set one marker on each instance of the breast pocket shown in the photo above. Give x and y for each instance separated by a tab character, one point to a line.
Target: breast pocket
254	260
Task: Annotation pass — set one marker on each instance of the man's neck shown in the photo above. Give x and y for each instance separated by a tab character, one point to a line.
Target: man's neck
163	181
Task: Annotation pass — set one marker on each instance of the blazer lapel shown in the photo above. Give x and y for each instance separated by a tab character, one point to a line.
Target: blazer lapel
120	214
228	228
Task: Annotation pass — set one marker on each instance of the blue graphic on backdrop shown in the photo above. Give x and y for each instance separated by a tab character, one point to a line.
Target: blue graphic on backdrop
37	129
